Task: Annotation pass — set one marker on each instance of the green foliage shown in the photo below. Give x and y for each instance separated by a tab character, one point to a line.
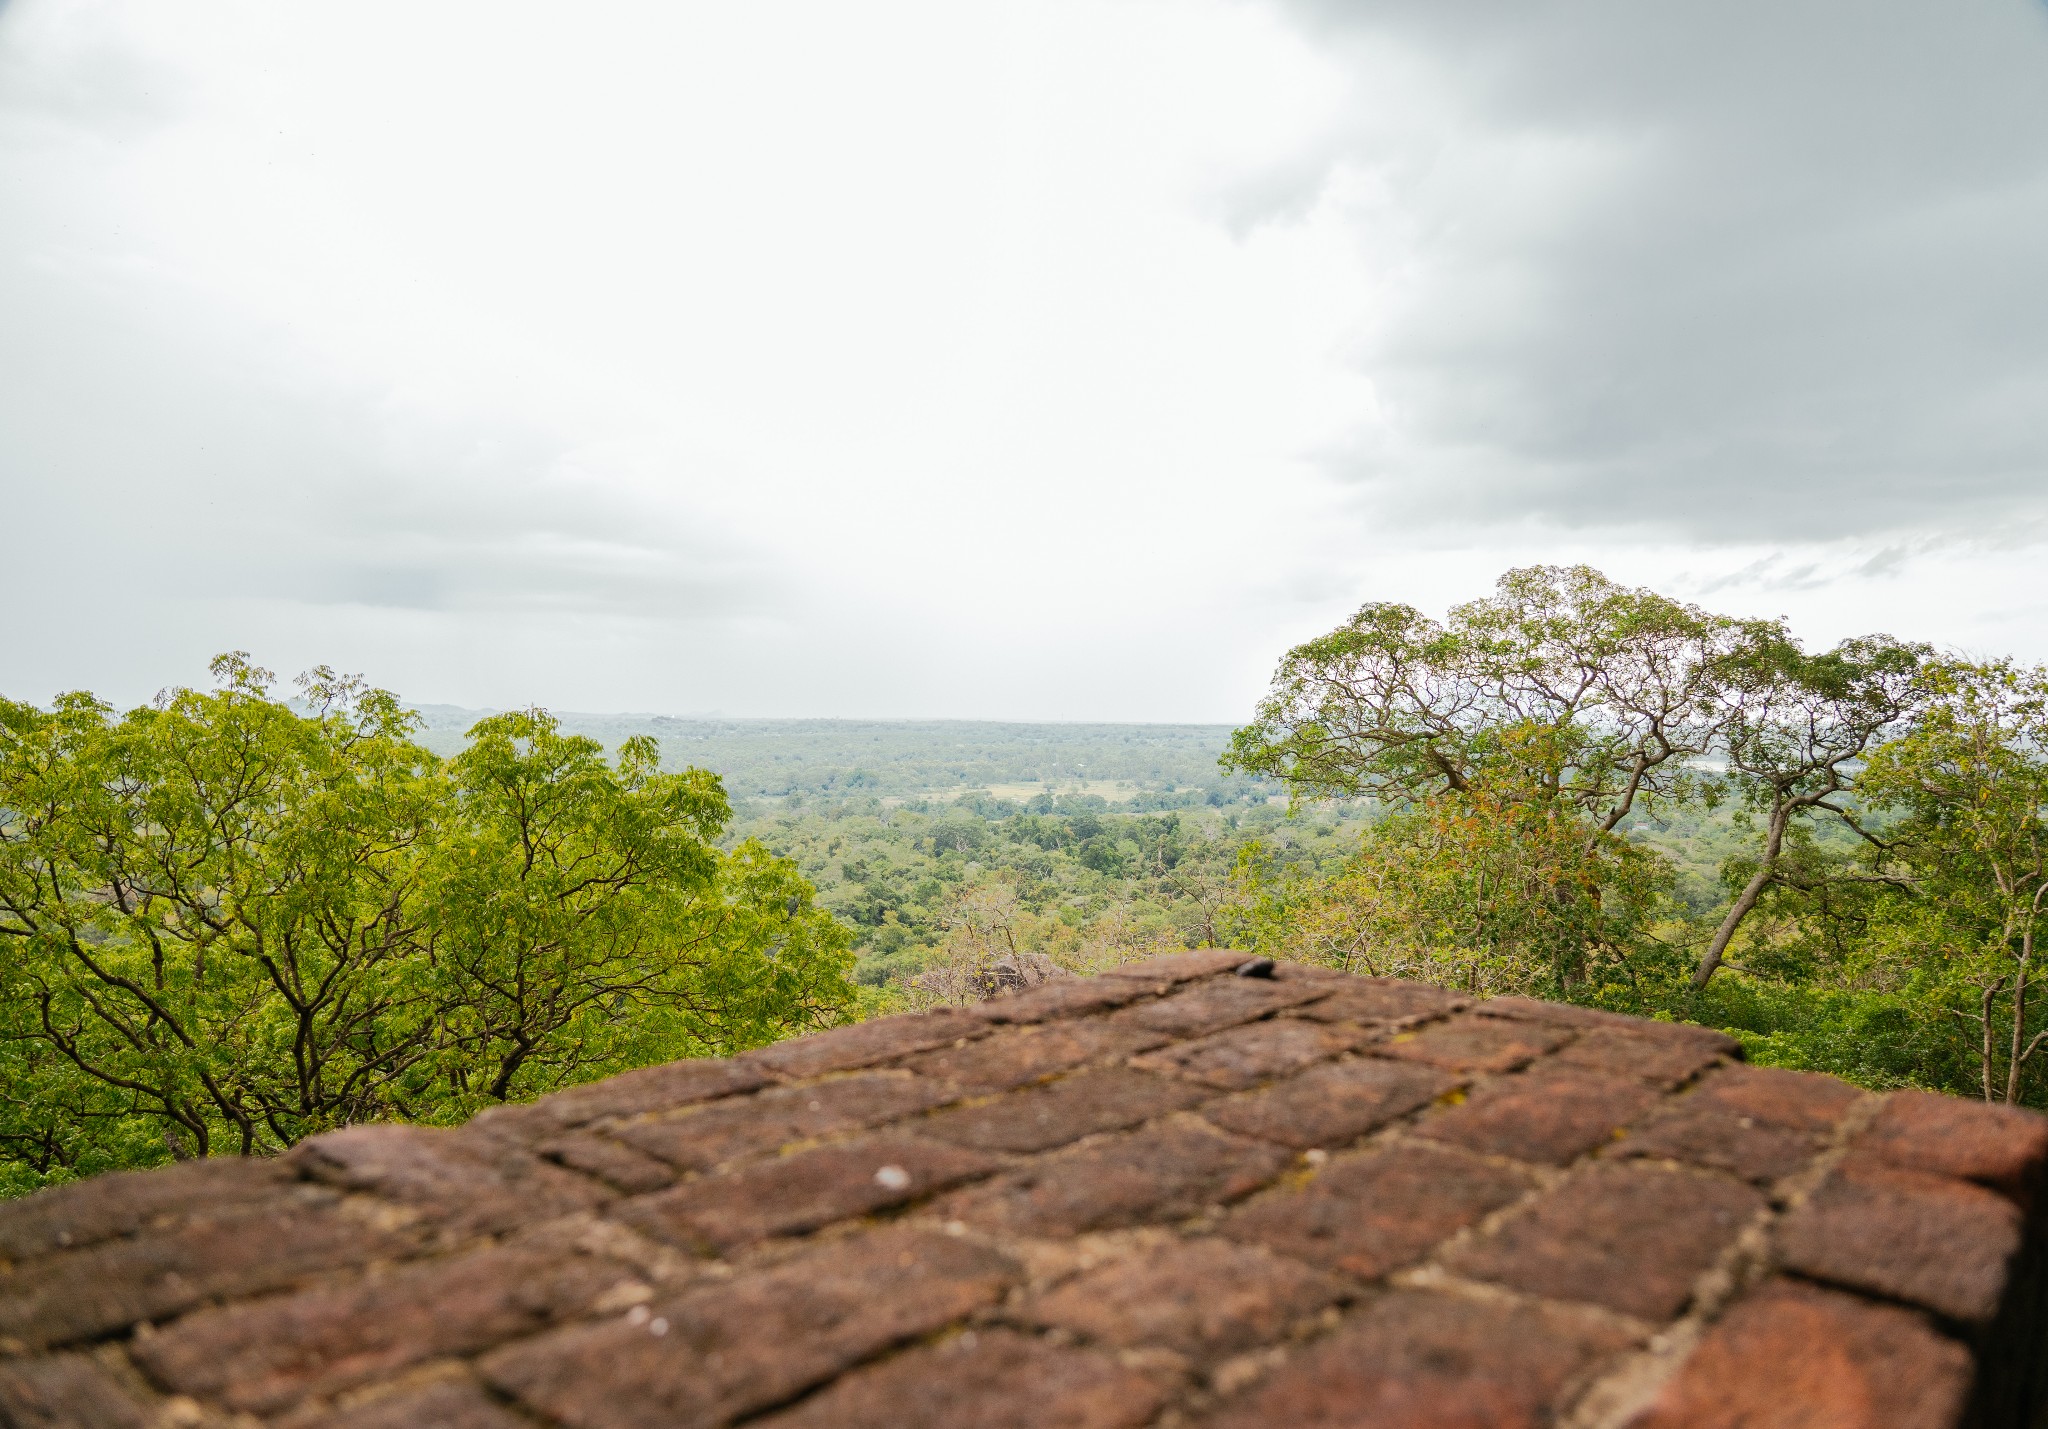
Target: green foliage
227	924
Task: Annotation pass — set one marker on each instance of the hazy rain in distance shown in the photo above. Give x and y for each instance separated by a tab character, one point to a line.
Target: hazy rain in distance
1017	360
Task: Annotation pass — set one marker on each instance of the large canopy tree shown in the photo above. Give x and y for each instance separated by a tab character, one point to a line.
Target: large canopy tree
227	923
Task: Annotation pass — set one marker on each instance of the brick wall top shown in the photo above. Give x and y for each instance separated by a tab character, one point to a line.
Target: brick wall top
1191	1192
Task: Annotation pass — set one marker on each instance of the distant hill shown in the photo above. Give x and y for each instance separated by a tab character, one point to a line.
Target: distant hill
901	760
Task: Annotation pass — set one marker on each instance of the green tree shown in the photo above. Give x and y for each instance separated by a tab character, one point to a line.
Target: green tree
1796	730
226	924
1968	785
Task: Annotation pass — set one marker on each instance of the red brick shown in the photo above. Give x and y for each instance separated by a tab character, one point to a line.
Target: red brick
463	1180
1662	1059
1475	1044
1547	1115
995	1379
1707	1133
1997	1146
650	1089
86	1212
791	1195
1245	1056
1039	1118
1029	1054
1632	1238
1375	1001
442	1404
1415	1360
1334	1105
733	1130
732	1348
1929	1240
865	1043
1181	967
1792	1356
61	1391
1168	1172
1797	1101
1200	1297
111	1286
1214	1005
266	1355
1070	997
610	1160
1375	1213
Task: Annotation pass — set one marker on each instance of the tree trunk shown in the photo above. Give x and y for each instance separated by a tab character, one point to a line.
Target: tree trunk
1774	841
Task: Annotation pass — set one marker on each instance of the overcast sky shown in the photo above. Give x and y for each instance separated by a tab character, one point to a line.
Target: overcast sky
1035	360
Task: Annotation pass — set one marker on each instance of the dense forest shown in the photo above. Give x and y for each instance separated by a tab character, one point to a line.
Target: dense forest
233	918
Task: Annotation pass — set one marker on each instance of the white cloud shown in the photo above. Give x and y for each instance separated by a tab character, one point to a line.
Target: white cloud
1048	359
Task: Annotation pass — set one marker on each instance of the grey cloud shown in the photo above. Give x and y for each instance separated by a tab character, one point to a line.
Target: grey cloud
1804	293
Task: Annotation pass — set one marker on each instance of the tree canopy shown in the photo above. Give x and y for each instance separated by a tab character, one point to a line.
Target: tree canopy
228	923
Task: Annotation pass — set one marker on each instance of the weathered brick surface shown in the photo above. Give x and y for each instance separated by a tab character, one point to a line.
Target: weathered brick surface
700	1139
63	1299
1105	1099
130	1201
1218	1003
1552	1116
1631	1238
1016	1058
1422	1361
793	1194
1245	1056
1476	1044
1334	1105
438	1404
76	1389
1194	1192
1377	1212
1792	1355
1200	1297
723	1350
991	1380
1929	1240
1162	1173
2002	1147
463	1181
265	1355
